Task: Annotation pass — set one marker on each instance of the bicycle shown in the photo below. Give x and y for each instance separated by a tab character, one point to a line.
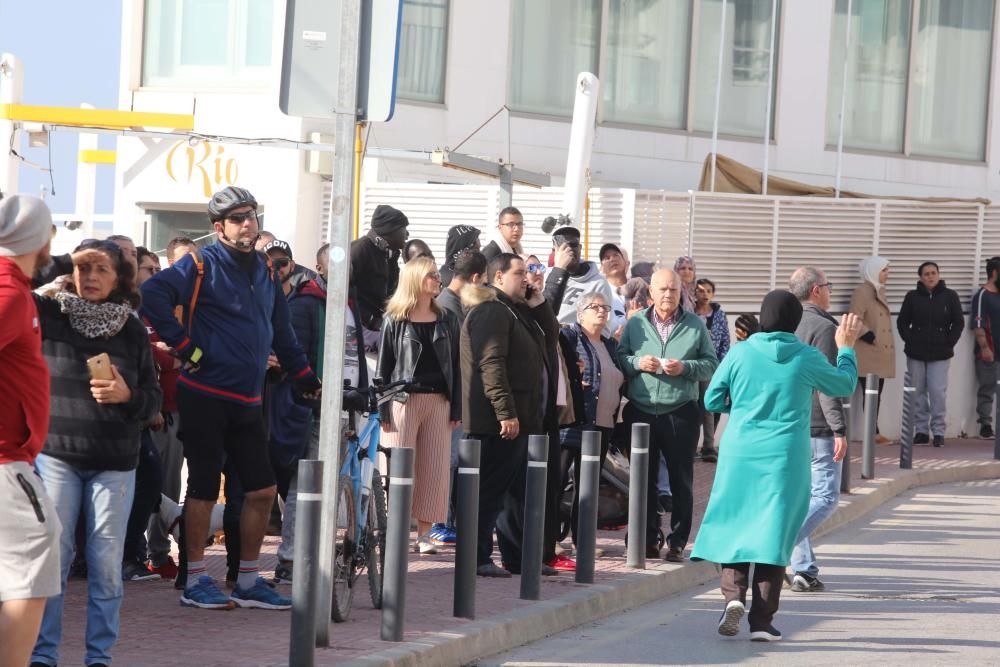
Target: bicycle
361	506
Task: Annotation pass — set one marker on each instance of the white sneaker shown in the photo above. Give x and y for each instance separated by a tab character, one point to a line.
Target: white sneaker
729	622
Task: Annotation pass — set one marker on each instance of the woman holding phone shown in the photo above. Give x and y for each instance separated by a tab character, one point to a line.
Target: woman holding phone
104	388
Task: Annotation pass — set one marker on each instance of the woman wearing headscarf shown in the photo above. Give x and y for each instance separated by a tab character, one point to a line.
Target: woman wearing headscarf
760	496
685	269
877	345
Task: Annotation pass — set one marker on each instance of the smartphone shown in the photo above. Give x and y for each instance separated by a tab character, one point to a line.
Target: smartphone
100	367
529	292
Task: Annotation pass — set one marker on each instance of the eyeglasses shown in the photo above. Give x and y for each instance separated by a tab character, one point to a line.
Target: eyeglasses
434	275
512	225
281	262
829	286
598	307
240	218
536	268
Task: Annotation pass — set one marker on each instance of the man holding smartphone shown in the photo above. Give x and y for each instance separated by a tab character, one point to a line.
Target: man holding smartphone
235	315
29	526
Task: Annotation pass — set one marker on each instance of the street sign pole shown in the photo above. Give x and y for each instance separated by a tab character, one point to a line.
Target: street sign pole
336	303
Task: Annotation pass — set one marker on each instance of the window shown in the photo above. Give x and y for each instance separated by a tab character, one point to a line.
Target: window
914	89
645	77
746	52
423	47
221	43
646	52
552	43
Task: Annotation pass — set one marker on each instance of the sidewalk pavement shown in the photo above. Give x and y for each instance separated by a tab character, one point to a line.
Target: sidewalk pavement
157	632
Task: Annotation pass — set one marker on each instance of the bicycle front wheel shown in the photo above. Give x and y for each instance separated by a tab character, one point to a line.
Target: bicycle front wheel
343	561
376	540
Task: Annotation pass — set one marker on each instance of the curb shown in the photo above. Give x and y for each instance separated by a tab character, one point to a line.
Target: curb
465	644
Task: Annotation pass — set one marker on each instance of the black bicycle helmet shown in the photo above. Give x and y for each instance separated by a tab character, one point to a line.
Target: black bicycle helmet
227	199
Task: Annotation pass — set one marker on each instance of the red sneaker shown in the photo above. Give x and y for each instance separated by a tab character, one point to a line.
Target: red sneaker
563	563
166	571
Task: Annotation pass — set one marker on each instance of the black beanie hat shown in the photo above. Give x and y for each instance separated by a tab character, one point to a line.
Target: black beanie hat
460	238
387	219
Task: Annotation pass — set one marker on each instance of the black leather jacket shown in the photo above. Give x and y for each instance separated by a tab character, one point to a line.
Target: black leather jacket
400	349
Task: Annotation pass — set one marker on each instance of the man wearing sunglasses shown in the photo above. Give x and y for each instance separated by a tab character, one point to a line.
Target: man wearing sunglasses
572	277
238	315
280	254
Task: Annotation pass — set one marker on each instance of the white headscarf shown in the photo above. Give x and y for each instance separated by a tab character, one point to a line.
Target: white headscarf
870	268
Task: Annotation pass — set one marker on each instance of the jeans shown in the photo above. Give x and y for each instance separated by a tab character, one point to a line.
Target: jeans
930	379
104	497
823	499
986	386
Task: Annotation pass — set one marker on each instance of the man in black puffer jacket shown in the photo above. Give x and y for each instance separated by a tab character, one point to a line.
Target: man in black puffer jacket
930	323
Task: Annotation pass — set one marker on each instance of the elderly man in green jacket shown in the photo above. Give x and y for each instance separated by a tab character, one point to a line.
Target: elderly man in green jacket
664	352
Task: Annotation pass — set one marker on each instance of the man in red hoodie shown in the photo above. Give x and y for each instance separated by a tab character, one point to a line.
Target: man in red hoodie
29	527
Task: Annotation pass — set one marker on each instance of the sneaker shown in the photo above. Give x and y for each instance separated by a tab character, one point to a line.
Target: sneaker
167	570
986	432
424	545
443	535
493	571
920	439
260	596
205	595
135	571
563	563
729	622
283	573
674	554
770	634
804	583
939	441
652	551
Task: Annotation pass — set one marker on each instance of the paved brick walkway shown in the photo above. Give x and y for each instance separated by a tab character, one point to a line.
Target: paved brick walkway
157	632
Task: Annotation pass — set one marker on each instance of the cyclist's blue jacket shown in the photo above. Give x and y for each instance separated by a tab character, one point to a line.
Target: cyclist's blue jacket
237	322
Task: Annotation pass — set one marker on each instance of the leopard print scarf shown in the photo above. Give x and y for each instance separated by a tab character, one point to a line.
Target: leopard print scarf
93	320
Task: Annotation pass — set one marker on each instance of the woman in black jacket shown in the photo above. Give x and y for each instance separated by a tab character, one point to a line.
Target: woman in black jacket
420	341
601	381
92	449
930	324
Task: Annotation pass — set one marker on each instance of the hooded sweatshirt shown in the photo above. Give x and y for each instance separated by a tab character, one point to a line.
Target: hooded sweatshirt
576	287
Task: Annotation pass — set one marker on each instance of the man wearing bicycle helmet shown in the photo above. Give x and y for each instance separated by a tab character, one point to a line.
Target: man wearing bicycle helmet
235	314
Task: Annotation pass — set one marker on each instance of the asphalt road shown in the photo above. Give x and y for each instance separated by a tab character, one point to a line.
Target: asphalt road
917	582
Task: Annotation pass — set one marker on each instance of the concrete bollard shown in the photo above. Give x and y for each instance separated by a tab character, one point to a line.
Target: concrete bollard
588	477
302	644
638	481
467	527
534	517
871	419
845	465
397	543
906	429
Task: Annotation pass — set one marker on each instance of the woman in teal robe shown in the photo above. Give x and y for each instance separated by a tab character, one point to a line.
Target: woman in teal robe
760	496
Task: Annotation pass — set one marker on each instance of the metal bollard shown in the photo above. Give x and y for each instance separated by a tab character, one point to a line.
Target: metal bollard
534	517
467	525
638	481
308	500
588	477
397	542
871	417
906	430
845	465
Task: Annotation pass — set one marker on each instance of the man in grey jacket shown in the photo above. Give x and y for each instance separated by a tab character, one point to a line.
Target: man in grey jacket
828	427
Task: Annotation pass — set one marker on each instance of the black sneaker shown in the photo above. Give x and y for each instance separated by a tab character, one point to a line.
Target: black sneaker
921	439
652	551
939	441
283	573
136	571
986	432
804	583
770	634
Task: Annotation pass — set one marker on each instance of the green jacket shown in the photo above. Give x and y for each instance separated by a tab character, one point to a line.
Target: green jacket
689	342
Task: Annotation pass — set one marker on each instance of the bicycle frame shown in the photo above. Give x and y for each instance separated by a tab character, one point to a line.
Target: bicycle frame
370	434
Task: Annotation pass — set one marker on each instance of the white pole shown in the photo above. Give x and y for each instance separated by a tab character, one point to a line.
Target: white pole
718	93
843	102
11	85
770	88
581	145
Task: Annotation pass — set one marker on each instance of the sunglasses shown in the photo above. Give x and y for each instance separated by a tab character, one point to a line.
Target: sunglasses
100	244
240	218
536	268
281	262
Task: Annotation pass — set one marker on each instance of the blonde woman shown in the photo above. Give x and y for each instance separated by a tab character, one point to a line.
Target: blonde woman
420	341
876	347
